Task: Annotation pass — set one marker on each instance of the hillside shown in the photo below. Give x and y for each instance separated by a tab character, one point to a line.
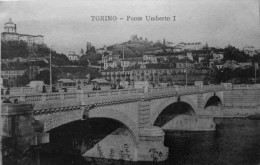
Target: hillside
14	49
134	49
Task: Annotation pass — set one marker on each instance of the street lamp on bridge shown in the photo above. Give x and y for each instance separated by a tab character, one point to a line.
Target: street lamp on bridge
50	71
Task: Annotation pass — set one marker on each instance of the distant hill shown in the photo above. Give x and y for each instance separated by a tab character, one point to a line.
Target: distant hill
13	49
134	49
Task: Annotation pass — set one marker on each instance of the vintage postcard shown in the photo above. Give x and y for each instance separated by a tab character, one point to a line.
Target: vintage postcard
130	82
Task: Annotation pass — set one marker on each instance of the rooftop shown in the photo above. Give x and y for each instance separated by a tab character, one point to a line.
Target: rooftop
66	81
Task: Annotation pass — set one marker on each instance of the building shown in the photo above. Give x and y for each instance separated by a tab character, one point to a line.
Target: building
10	76
189	46
217	64
102	50
200	59
125	63
231	64
79	79
189	56
150	58
10	34
177	49
88	47
110	64
111	60
73	56
169	44
154	74
16	59
65	83
218	56
249	50
184	63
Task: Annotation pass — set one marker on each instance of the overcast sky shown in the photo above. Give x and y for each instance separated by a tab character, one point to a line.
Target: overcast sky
67	25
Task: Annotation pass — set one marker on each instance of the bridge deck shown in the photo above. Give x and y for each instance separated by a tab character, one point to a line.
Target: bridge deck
104	96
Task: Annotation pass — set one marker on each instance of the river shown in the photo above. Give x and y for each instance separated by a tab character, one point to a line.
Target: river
235	142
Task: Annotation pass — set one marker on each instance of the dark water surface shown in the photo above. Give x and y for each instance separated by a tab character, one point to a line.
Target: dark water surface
235	142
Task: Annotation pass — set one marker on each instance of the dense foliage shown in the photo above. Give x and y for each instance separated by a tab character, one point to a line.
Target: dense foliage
12	49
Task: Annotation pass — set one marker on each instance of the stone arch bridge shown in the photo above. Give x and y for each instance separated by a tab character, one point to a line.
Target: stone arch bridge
136	109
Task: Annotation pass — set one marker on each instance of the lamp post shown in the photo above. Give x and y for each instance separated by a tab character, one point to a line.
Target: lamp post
50	73
255	73
124	66
186	73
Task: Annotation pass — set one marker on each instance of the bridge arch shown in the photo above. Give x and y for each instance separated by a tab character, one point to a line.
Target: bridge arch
118	116
212	99
54	120
170	101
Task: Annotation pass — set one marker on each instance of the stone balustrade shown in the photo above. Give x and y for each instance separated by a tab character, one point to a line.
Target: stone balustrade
19	90
151	92
246	86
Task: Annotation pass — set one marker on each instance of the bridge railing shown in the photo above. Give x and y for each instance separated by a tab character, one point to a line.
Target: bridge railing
20	90
35	97
245	86
75	95
213	88
31	98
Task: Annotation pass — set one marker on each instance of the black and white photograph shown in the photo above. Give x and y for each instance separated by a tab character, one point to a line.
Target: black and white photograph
129	82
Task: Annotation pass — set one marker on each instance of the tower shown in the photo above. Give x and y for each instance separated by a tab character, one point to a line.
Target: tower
88	46
10	27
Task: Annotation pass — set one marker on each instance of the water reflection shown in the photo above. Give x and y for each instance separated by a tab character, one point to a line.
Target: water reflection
236	141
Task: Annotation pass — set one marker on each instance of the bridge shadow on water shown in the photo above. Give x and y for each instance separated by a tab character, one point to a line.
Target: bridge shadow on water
235	142
77	137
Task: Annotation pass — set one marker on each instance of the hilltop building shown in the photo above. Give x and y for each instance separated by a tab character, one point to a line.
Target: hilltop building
249	50
73	56
135	39
10	34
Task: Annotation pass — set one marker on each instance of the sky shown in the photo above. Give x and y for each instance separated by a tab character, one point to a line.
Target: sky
67	25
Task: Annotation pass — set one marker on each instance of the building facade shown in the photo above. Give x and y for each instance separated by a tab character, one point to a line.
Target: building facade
10	34
189	46
249	50
73	56
150	58
154	75
10	77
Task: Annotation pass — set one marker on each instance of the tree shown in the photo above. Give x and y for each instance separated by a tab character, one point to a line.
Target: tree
84	60
13	49
82	52
45	76
232	53
22	80
59	59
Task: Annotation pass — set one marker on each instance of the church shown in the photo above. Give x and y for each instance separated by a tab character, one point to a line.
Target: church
10	34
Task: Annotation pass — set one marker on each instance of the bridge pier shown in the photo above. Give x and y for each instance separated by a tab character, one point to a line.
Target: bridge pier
151	138
19	129
147	144
120	145
151	145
